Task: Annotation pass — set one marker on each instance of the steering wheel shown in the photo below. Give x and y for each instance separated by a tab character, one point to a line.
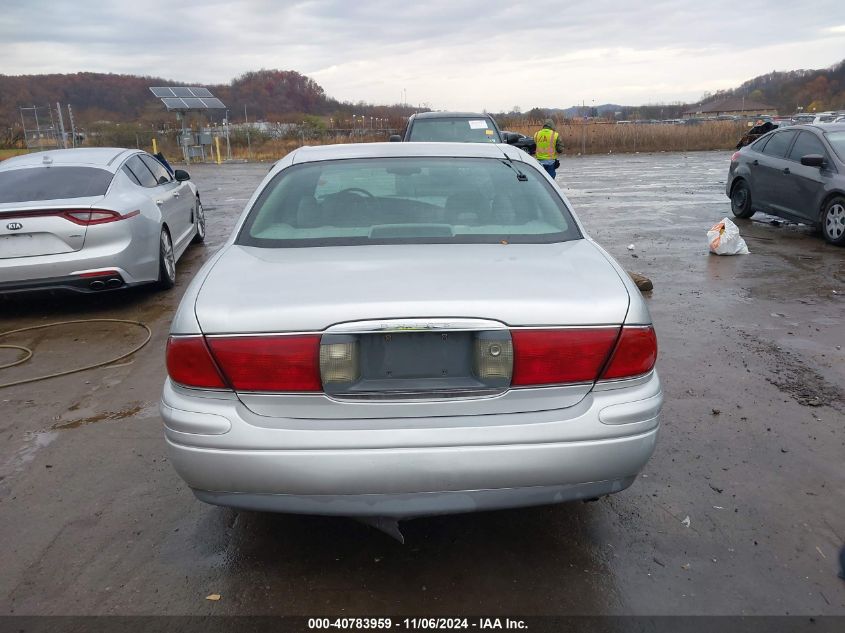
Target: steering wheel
355	191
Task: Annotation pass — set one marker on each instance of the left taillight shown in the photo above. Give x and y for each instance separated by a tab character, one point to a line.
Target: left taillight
735	157
281	363
189	363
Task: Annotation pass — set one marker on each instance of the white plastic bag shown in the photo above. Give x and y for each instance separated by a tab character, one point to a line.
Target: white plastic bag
724	239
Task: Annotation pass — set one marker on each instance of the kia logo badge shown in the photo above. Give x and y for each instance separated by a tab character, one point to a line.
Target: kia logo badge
14	226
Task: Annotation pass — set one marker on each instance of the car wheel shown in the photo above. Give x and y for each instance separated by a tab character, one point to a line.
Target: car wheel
833	221
166	262
741	200
199	220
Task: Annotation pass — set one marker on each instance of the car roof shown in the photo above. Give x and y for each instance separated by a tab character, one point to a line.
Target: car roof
102	157
406	150
825	127
451	115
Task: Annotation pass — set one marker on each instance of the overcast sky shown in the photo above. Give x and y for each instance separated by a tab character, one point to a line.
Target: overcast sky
449	54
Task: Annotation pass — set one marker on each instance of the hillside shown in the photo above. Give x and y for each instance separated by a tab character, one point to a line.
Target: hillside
98	96
811	90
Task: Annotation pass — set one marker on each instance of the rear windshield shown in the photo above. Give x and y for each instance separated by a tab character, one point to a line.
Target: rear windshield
53	183
458	130
837	142
407	201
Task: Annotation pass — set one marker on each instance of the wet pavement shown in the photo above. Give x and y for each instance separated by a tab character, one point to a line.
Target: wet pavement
93	520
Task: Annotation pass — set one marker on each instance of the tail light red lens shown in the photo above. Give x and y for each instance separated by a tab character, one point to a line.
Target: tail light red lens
553	357
635	354
735	157
189	363
269	363
96	216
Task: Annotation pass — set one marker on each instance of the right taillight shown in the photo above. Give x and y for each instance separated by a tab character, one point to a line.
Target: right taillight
556	357
189	363
635	353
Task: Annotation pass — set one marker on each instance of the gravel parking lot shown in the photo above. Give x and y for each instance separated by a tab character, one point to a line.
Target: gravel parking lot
740	511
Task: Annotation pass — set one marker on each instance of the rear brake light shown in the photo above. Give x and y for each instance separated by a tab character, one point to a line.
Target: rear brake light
189	363
735	157
97	216
553	357
635	354
269	363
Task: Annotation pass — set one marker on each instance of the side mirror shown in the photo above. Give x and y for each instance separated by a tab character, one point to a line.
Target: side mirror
813	160
181	175
395	138
511	138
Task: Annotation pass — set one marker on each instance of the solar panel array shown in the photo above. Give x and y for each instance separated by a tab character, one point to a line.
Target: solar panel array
187	98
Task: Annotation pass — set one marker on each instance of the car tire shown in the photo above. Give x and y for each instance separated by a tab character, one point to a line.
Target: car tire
166	262
833	221
199	221
741	200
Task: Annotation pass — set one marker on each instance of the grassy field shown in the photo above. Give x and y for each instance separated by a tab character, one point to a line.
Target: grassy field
8	153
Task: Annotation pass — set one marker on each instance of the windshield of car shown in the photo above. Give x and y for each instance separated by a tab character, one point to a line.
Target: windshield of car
53	183
407	201
837	142
454	130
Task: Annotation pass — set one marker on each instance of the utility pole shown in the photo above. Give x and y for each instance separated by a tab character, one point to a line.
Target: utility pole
248	141
72	126
61	125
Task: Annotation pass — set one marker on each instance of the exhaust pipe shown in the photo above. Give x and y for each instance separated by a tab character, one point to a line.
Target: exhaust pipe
97	285
115	282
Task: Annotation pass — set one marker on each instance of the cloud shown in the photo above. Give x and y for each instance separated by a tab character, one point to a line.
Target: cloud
468	55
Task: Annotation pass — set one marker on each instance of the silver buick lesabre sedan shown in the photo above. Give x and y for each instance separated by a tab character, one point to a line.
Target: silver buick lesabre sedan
93	219
405	329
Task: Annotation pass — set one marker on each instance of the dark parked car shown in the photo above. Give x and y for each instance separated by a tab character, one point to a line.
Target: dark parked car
525	143
452	127
797	173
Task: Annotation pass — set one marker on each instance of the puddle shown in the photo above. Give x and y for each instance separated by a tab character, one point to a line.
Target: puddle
33	442
107	416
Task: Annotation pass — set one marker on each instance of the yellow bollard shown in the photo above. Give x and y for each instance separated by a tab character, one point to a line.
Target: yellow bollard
217	144
155	147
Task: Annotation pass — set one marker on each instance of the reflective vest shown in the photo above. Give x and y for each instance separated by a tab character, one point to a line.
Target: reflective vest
546	140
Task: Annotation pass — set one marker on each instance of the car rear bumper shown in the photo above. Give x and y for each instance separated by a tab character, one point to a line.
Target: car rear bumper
412	482
400	468
134	258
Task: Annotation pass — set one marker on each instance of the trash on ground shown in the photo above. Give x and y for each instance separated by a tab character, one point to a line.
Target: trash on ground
631	247
643	282
724	239
214	597
686	521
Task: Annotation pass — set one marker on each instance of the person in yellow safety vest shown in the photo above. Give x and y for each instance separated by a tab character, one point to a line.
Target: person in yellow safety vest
549	146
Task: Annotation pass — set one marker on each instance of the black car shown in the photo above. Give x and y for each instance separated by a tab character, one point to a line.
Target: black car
453	127
797	173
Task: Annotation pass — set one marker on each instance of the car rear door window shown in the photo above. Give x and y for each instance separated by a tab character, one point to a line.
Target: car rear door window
161	174
53	183
778	144
131	176
141	172
806	143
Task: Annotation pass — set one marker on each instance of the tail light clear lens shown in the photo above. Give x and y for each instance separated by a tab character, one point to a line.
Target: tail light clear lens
553	357
269	363
635	354
339	362
189	363
493	358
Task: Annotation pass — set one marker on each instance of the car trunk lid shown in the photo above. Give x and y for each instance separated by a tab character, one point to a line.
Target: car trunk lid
415	314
